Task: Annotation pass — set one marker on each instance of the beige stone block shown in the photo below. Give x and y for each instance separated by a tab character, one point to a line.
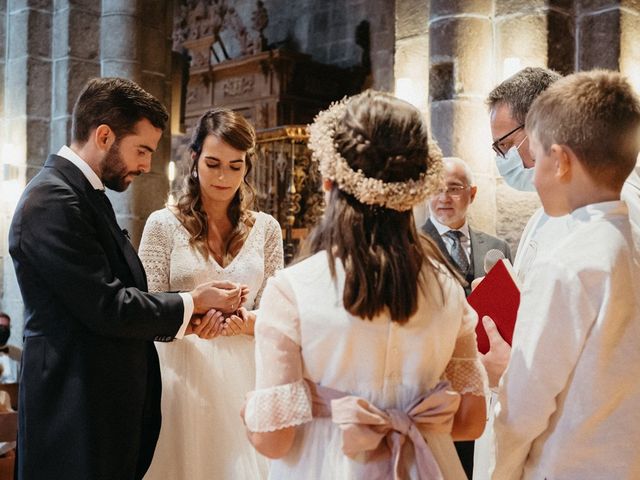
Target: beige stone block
412	18
461	128
630	47
518	7
468	43
458	7
524	38
482	212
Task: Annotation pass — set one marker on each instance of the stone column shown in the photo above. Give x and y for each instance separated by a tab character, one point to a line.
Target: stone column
608	36
76	59
136	44
26	116
460	75
411	65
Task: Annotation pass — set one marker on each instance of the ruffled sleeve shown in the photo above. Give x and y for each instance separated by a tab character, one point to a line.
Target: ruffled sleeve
155	251
281	398
465	370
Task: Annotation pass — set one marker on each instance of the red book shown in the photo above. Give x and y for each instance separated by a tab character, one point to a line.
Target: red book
498	297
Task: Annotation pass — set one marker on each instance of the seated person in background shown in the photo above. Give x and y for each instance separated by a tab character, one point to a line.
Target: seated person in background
9	354
568	402
447	225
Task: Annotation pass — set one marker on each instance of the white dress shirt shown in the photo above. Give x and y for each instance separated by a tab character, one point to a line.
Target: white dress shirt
568	403
94	180
465	239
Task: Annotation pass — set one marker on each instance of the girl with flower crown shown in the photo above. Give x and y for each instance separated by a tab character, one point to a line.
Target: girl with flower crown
211	235
366	357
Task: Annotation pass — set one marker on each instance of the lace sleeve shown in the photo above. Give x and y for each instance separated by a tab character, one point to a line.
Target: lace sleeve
281	398
155	252
465	370
273	254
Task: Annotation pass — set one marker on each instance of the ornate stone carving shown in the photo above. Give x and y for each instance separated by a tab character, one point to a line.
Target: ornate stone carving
200	19
198	91
235	87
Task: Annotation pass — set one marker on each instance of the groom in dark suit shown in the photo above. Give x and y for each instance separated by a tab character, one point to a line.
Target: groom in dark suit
90	384
463	246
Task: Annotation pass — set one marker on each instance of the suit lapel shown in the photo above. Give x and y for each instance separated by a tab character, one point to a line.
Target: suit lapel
479	249
430	229
79	182
129	253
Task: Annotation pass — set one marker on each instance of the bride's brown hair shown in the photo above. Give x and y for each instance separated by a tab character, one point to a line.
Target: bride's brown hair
384	256
233	129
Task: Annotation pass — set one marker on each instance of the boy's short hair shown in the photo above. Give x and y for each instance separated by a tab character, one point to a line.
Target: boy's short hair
597	115
521	89
116	102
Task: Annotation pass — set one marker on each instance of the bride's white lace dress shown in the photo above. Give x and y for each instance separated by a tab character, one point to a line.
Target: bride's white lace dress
205	381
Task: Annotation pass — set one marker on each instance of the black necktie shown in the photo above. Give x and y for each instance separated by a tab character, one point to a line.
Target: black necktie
457	250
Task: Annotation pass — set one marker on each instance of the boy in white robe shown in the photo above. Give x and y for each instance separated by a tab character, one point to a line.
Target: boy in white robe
568	404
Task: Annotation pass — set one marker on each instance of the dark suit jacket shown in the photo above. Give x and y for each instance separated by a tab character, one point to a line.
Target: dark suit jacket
90	382
481	243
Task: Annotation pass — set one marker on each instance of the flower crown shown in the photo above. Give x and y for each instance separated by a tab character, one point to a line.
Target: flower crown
400	196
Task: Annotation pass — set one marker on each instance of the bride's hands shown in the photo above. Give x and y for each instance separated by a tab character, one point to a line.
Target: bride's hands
242	321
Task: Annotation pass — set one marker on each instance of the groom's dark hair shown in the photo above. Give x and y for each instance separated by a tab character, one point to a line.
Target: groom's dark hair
116	102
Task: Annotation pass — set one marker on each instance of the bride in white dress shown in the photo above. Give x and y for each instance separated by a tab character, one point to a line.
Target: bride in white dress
366	358
211	235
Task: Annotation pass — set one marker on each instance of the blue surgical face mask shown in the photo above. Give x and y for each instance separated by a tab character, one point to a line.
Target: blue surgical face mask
514	172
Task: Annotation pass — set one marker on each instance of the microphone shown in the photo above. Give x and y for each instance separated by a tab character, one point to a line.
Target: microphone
491	258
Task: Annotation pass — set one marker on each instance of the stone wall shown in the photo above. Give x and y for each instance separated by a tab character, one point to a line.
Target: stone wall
326	30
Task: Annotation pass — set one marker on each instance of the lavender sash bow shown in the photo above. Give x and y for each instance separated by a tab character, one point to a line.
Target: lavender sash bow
364	427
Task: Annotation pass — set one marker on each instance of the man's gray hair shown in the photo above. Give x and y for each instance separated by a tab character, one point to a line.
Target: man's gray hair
464	165
521	89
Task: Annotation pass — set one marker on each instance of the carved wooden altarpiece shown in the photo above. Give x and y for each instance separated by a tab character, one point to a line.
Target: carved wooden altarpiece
278	91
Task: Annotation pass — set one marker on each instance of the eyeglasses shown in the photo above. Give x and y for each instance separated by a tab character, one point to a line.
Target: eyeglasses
496	145
454	191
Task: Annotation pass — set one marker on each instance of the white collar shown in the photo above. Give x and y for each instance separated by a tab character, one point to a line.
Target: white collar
596	211
442	229
73	157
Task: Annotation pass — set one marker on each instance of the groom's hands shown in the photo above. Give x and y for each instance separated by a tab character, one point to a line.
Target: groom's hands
219	295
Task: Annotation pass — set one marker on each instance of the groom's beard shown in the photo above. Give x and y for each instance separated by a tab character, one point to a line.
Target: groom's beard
115	174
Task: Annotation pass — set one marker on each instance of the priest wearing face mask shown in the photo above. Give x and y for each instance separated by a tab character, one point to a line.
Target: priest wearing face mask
9	354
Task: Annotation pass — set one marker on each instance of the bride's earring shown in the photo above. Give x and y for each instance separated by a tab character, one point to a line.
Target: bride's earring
194	174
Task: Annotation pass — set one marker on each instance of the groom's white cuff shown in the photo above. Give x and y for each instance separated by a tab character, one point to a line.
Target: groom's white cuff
187	299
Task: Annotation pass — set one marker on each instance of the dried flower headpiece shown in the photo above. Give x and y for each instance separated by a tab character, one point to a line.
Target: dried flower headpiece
400	196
